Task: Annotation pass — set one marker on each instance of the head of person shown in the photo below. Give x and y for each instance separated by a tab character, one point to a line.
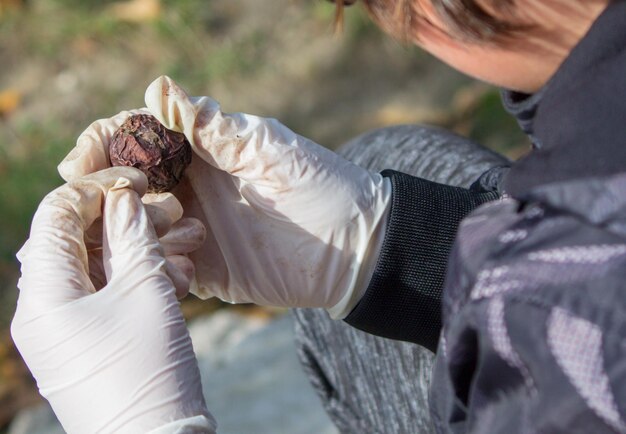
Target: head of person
515	44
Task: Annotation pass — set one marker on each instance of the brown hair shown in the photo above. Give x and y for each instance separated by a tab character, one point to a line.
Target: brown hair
496	22
465	19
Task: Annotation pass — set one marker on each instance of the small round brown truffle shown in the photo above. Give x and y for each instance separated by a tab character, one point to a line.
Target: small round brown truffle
144	143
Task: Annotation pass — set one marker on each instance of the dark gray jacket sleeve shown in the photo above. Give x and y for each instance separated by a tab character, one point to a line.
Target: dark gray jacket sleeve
403	300
534	319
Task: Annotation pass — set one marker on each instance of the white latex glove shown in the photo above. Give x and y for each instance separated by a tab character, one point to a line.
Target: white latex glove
179	236
290	223
119	360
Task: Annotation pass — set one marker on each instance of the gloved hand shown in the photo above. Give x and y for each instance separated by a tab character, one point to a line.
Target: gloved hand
290	223
119	360
179	236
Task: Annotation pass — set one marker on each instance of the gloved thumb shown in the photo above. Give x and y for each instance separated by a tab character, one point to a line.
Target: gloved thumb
131	249
171	105
258	150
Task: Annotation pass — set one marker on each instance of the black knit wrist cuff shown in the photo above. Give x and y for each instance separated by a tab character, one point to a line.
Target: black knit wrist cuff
403	299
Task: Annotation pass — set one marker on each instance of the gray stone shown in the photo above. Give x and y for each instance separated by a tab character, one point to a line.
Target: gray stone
252	379
37	420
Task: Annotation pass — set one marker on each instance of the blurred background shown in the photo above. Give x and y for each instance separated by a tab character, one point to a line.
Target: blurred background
66	63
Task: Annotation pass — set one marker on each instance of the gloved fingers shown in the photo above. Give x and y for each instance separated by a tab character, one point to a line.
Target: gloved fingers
93	243
212	195
163	210
54	259
166	202
91	152
159	218
131	248
185	236
182	271
82	198
258	150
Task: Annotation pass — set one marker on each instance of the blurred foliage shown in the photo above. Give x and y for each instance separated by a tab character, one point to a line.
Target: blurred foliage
69	62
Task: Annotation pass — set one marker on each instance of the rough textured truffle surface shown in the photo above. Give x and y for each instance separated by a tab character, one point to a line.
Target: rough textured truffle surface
144	143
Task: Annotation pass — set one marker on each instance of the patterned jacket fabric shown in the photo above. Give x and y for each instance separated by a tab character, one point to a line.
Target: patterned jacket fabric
534	301
535	316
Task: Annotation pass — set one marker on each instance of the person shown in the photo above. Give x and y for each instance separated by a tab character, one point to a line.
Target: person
512	274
